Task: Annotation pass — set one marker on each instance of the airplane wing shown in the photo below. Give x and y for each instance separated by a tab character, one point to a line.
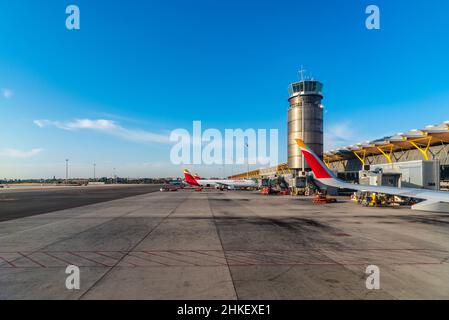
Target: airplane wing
434	200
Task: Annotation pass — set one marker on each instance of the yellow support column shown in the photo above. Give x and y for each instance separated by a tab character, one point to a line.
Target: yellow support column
424	151
361	158
326	162
388	155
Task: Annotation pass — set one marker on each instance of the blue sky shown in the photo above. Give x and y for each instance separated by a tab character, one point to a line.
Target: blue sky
148	67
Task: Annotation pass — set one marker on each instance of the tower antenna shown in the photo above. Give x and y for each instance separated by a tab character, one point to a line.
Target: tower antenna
301	72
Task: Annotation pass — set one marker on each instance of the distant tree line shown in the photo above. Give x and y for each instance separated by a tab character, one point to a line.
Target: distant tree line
80	181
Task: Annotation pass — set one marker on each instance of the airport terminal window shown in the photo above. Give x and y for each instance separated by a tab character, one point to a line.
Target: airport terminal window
298	87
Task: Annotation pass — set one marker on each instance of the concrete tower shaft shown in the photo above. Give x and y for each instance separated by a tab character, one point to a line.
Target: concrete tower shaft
305	121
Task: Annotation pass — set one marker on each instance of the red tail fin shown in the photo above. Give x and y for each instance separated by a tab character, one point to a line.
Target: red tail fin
196	176
189	179
318	167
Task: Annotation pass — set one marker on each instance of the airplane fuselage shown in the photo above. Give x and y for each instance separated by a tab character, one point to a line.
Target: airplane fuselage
227	183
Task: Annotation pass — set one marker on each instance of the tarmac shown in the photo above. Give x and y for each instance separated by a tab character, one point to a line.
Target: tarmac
18	202
225	245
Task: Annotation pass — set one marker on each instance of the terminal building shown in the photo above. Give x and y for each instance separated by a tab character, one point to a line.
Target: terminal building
418	158
426	148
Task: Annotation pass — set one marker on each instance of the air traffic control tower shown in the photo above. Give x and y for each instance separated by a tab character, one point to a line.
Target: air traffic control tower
305	121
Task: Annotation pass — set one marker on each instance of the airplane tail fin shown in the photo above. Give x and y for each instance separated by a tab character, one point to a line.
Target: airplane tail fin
196	176
189	179
318	167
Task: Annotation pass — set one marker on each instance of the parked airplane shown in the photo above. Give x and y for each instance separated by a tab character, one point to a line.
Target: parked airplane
437	201
230	184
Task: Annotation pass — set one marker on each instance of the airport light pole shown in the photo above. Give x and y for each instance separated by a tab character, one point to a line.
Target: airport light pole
247	161
66	171
95	177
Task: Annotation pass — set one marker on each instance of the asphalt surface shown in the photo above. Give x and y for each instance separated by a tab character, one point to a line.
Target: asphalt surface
20	204
225	245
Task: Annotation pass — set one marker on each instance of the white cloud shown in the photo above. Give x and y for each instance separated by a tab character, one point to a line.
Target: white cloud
339	135
108	127
7	93
15	153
